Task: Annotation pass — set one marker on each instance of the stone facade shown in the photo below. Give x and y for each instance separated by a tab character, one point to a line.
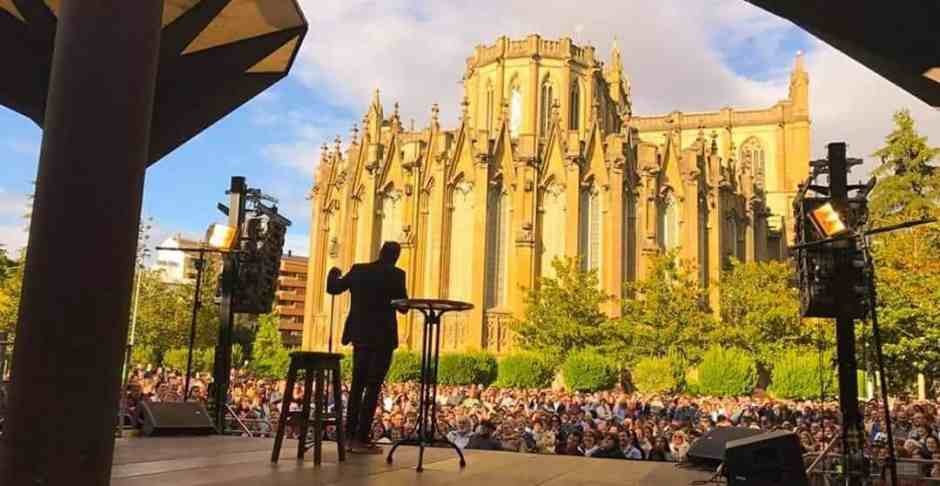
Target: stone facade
549	160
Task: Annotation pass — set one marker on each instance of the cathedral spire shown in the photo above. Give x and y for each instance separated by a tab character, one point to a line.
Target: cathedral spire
799	85
354	134
615	57
435	116
464	109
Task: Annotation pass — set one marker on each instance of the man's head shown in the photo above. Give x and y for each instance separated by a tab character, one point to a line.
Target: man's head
389	252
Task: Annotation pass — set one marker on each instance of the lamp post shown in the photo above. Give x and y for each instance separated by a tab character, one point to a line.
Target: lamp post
219	239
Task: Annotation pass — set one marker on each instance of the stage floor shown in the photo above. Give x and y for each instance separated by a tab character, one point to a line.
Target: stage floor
191	461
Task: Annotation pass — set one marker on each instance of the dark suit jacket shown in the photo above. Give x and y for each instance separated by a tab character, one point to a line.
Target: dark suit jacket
373	287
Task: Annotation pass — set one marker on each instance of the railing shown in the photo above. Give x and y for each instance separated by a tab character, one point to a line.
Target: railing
824	471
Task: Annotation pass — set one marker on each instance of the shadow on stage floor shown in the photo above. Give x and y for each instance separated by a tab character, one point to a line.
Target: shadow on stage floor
216	460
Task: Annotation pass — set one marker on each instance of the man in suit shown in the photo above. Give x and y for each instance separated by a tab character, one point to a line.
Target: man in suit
372	329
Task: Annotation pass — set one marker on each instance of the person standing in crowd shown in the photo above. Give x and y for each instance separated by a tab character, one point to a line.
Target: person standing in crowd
483	439
372	329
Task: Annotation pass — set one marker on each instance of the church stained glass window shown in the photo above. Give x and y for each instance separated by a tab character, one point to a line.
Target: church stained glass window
590	228
515	112
498	244
752	154
545	115
668	223
574	111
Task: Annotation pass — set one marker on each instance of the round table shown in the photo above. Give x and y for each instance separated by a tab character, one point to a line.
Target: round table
432	309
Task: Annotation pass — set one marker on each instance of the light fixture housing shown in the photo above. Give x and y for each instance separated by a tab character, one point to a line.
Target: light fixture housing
220	236
828	221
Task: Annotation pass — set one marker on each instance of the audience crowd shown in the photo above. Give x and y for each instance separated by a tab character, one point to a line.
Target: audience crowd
609	424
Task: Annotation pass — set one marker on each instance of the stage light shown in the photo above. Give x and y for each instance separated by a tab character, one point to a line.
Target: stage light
220	236
828	221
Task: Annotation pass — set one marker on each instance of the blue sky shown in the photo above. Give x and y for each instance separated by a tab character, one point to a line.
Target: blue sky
679	55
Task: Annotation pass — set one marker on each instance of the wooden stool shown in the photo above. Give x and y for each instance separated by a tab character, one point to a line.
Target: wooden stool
315	366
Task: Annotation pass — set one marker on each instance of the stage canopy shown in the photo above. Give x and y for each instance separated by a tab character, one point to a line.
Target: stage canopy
898	40
215	55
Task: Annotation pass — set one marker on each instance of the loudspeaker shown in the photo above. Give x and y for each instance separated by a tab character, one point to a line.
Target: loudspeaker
177	418
769	459
709	450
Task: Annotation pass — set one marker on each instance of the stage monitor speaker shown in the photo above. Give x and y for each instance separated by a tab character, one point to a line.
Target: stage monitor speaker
709	450
175	418
768	459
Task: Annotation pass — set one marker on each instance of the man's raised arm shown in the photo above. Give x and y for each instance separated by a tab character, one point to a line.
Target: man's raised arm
336	282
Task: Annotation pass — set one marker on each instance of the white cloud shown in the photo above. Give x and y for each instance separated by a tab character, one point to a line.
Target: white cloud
851	103
672	51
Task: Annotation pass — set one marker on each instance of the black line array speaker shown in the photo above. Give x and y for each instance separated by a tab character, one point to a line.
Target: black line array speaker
175	418
768	459
709	450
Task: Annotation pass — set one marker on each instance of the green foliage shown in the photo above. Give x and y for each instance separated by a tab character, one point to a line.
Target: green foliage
907	262
563	313
238	356
164	311
589	370
655	375
176	359
406	366
143	355
760	311
726	372
346	367
10	288
524	370
271	357
664	313
467	369
797	375
908	177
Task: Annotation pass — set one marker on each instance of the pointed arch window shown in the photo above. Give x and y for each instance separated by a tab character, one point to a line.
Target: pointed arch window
590	228
497	244
545	117
668	223
752	153
490	100
460	245
574	106
515	111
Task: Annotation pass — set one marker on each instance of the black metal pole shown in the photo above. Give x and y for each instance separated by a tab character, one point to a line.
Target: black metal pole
223	351
852	435
200	264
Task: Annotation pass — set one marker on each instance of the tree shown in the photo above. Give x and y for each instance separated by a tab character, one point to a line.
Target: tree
563	313
270	358
10	289
760	311
666	313
907	262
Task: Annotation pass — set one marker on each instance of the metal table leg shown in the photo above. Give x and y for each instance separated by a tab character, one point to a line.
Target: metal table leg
427	405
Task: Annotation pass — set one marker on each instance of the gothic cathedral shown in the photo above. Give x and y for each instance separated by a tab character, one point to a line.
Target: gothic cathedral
549	160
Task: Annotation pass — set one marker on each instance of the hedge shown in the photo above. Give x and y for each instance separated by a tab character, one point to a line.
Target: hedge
524	370
796	375
726	372
655	375
406	366
588	370
467	369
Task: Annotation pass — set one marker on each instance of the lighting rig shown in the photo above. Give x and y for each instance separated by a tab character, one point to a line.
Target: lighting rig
249	274
835	272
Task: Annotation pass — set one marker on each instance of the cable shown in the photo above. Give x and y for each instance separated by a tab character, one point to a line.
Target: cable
879	355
